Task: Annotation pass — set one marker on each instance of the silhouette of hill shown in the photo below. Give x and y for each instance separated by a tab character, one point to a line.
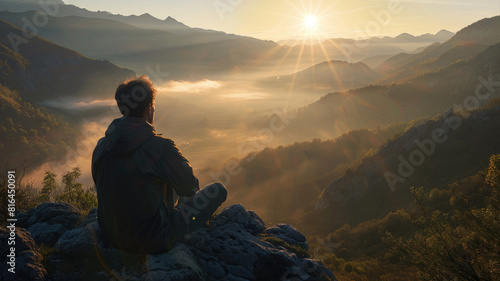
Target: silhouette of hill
281	182
145	21
41	70
375	50
406	38
374	105
195	54
144	41
464	45
381	182
338	74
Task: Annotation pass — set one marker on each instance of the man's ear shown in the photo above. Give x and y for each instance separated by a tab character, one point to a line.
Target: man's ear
147	112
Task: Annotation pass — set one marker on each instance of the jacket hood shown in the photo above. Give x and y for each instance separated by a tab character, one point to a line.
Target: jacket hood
126	134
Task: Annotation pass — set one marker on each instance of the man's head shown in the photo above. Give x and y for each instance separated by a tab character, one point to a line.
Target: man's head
136	98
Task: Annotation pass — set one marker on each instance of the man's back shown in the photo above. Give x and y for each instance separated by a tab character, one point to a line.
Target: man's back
131	167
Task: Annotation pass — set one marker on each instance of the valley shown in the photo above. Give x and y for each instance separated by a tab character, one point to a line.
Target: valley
332	141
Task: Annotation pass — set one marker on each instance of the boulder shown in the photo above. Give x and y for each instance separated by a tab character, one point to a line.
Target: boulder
49	221
288	234
28	260
236	245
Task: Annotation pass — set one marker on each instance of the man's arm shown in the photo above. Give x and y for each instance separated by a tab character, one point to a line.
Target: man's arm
180	173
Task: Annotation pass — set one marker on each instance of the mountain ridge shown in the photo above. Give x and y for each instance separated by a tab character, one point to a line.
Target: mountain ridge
384	179
440	36
56	62
472	39
143	21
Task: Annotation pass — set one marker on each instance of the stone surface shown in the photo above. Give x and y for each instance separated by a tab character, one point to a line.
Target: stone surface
28	260
232	247
288	234
47	222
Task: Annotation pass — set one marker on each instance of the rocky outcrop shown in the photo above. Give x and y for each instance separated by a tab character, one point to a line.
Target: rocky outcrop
236	245
47	222
25	262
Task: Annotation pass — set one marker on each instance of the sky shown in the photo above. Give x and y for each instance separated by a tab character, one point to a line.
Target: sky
284	19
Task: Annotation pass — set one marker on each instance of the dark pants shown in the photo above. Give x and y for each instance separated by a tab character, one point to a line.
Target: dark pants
194	212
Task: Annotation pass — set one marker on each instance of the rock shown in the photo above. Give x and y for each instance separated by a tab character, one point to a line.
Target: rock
234	246
23	218
48	234
84	254
238	215
56	213
288	234
179	264
28	260
90	218
49	221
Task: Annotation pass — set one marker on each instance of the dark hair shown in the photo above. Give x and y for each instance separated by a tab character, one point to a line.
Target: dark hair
134	95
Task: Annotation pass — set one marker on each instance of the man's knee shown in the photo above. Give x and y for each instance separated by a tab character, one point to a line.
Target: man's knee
216	191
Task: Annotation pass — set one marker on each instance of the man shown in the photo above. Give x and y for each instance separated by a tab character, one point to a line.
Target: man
135	171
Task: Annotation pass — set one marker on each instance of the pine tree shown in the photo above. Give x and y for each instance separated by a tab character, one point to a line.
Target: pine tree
49	185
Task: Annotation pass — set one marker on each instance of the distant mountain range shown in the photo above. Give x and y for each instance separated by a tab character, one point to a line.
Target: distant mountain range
33	71
466	44
145	21
143	42
330	76
458	70
42	70
426	38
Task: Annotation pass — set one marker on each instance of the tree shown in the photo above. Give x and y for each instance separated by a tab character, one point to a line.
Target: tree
49	185
69	180
461	245
75	194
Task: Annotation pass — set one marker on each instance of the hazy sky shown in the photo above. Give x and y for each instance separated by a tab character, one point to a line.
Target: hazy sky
279	19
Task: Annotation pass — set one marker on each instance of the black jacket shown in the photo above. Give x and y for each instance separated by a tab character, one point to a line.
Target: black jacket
132	167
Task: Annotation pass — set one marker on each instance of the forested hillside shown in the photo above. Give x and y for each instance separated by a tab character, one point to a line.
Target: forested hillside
30	133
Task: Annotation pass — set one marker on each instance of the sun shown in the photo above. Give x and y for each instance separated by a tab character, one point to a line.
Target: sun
310	23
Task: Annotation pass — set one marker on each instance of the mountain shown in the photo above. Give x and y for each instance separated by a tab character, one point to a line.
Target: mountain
464	45
435	153
354	50
195	54
280	183
31	134
34	71
332	75
145	21
374	62
380	105
41	70
427	38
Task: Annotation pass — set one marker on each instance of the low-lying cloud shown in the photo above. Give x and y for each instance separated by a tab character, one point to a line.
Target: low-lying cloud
190	87
79	105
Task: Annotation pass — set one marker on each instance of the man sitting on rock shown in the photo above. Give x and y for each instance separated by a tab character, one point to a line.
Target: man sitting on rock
135	170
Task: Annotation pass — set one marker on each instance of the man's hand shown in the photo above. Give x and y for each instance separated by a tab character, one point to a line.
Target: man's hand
182	199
